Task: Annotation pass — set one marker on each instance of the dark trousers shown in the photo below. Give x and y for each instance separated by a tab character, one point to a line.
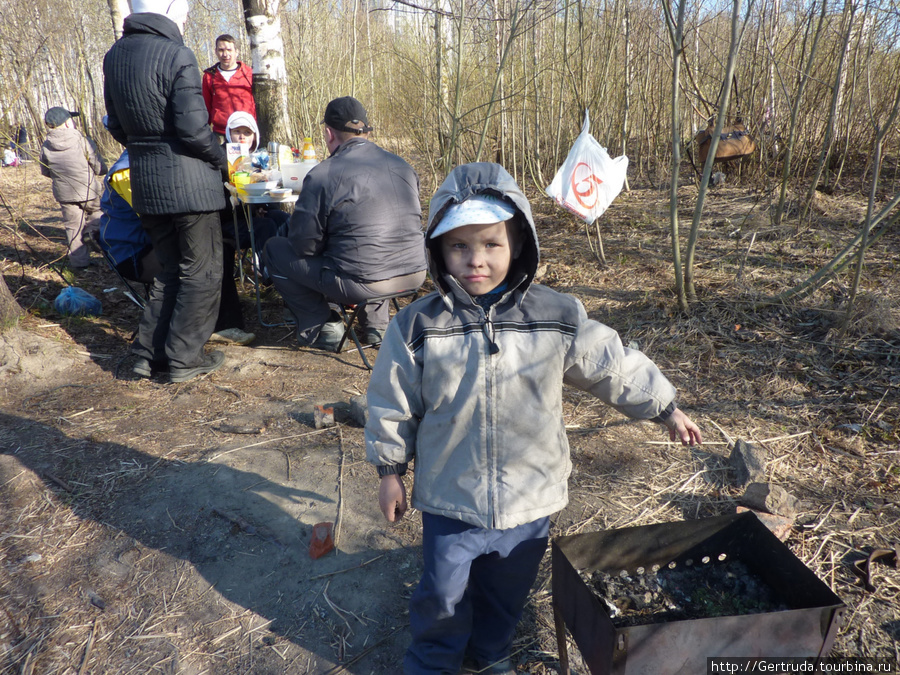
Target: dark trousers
145	267
230	314
473	588
184	298
307	285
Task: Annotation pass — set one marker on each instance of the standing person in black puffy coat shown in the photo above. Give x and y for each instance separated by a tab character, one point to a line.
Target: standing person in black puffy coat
155	106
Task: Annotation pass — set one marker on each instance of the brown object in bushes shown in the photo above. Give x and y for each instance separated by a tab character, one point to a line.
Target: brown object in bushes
734	143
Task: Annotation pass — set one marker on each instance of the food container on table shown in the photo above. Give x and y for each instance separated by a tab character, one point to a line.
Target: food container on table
292	175
240	179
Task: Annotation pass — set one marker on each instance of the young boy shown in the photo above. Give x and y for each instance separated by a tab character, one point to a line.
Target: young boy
469	384
72	161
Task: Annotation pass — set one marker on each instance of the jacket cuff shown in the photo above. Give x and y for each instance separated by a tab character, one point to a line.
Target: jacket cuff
665	414
392	469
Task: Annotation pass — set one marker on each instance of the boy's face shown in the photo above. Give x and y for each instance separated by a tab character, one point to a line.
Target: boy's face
242	135
479	256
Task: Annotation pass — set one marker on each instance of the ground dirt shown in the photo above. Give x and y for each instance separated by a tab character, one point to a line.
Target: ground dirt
140	533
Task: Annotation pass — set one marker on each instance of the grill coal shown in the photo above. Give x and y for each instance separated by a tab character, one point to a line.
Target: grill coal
781	610
672	593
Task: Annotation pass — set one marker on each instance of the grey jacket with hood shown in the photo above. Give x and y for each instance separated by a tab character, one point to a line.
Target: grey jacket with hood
476	398
73	162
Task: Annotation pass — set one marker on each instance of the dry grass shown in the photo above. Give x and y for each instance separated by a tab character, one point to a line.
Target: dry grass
820	395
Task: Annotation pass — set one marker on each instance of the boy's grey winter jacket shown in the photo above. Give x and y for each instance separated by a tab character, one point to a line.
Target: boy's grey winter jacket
156	109
476	399
72	161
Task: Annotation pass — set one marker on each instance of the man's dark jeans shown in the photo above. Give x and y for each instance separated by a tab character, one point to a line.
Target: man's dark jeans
184	299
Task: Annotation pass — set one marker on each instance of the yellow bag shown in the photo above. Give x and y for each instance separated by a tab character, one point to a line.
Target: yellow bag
121	183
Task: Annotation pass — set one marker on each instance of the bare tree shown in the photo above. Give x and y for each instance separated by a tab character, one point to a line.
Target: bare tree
675	26
881	129
795	109
840	80
737	32
270	81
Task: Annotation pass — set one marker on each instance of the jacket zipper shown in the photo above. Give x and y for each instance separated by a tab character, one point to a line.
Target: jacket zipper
487	328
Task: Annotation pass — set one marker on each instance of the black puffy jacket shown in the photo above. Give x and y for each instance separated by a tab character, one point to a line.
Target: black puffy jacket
156	109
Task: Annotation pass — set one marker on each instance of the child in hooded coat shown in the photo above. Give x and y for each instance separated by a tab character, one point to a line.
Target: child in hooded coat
73	163
468	386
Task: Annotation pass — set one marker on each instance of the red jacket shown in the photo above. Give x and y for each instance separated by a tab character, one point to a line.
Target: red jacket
224	97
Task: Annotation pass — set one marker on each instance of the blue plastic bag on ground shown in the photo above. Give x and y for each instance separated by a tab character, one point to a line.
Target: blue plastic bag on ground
73	301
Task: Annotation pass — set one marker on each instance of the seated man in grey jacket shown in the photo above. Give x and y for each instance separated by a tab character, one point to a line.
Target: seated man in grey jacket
356	233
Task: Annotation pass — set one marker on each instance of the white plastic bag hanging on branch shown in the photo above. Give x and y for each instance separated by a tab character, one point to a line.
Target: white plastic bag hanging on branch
589	179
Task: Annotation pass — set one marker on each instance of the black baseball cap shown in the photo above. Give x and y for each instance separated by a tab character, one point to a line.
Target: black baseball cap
344	110
57	116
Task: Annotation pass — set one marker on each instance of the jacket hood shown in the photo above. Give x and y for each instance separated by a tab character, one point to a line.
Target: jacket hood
177	10
468	180
148	22
239	118
63	138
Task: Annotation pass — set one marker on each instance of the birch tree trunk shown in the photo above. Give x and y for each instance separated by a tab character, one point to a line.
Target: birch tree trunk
118	10
270	80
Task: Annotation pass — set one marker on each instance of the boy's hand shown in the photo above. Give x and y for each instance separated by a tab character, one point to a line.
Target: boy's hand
392	497
681	427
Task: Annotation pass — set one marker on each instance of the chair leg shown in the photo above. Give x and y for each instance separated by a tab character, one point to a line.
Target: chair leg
349	323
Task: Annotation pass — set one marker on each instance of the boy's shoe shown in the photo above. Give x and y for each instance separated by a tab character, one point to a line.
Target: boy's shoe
211	362
330	336
147	368
232	336
504	667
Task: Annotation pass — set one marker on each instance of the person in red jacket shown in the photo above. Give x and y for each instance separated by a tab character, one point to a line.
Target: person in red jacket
227	86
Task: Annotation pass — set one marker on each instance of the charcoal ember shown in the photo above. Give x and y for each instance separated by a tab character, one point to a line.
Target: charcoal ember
717	588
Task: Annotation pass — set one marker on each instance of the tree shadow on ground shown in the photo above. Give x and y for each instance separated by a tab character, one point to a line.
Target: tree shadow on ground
243	531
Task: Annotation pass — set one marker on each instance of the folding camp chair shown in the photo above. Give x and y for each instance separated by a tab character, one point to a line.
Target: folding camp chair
350	314
93	240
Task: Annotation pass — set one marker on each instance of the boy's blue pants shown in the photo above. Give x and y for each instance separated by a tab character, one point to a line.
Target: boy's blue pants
473	588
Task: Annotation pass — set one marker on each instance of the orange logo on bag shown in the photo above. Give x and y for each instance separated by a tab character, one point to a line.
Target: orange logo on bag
585	184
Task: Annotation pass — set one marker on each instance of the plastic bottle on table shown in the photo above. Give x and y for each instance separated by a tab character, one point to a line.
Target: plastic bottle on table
309	151
285	156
